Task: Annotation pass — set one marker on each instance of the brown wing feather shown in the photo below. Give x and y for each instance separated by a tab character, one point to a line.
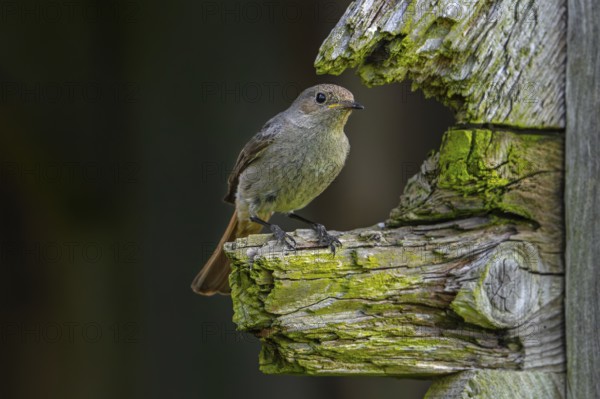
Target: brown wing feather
251	152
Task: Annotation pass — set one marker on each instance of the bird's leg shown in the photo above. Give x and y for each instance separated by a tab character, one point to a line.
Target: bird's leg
325	238
282	237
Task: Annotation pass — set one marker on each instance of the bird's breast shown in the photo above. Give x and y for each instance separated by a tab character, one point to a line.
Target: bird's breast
308	171
292	172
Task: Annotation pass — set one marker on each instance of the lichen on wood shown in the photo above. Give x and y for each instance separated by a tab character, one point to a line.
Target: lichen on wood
508	174
478	290
465	279
500	62
484	384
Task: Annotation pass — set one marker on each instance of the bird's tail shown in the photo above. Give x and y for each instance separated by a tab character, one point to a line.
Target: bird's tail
214	276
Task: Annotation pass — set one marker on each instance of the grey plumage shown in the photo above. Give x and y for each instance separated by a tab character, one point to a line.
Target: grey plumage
293	159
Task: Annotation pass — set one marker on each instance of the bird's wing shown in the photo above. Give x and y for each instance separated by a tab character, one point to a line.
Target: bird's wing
250	153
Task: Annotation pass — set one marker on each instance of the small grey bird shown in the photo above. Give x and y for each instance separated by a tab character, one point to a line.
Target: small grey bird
289	162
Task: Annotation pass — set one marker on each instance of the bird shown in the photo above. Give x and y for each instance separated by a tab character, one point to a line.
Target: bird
294	157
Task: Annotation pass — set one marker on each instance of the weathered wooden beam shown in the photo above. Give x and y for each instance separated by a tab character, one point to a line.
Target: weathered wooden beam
505	173
582	196
483	290
498	385
433	307
467	275
499	62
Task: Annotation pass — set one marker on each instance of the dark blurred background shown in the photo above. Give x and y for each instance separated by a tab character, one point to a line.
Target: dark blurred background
120	124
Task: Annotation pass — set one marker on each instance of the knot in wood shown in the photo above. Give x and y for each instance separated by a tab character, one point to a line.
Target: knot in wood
505	292
508	288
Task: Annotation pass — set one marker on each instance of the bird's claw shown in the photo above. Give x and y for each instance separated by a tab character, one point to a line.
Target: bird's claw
326	239
283	238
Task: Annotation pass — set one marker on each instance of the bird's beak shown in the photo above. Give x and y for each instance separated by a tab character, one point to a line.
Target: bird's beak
347	105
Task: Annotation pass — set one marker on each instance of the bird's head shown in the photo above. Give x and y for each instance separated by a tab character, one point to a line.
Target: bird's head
324	104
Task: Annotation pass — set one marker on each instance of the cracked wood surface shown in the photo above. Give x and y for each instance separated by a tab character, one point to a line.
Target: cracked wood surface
500	62
467	274
401	302
498	385
462	287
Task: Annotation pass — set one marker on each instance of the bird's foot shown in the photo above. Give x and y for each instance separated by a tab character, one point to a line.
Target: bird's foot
326	239
282	237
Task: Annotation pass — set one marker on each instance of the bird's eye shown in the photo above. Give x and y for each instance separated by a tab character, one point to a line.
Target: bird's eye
321	98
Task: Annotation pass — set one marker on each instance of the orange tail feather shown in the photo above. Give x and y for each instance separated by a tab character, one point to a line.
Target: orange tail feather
214	276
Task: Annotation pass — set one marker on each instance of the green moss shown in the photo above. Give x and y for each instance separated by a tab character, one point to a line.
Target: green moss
365	355
271	362
247	298
463	166
463	306
304	265
428	48
377	285
375	336
453	163
290	295
299	299
478	171
370	260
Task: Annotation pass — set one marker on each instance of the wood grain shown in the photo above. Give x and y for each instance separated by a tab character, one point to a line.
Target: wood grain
582	196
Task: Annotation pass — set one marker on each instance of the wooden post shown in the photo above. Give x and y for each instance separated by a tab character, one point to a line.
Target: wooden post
465	281
582	199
